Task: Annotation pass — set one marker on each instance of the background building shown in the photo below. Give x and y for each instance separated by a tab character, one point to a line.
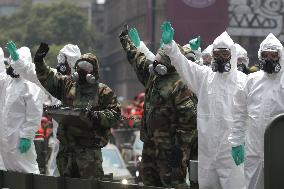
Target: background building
189	17
247	21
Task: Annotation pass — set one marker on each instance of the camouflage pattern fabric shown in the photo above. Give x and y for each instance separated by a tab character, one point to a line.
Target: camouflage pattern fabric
168	124
80	146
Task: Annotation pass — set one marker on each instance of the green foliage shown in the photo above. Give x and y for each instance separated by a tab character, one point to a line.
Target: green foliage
57	24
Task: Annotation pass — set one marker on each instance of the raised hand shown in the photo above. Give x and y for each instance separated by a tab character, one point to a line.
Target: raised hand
41	52
134	36
167	32
195	43
12	49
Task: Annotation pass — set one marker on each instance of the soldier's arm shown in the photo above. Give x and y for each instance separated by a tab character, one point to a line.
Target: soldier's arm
109	108
52	81
137	60
186	109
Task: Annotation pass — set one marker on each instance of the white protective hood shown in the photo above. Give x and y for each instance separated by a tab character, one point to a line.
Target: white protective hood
271	42
208	50
72	53
241	52
225	41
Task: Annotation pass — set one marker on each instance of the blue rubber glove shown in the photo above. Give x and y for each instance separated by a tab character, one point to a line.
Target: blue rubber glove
134	36
167	32
238	154
11	46
195	43
25	145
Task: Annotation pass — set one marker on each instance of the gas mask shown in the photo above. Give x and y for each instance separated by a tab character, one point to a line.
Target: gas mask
191	56
241	65
269	61
11	72
84	73
221	60
63	66
160	69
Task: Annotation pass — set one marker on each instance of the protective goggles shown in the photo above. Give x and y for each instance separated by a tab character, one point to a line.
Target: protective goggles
221	53
85	66
270	54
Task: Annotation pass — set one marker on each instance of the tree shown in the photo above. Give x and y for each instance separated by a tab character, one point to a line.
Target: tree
56	24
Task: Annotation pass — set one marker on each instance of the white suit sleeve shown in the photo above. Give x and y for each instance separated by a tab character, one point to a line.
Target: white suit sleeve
28	72
3	76
240	117
144	49
191	73
33	98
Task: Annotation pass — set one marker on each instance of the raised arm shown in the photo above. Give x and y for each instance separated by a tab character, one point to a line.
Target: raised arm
52	81
137	60
191	73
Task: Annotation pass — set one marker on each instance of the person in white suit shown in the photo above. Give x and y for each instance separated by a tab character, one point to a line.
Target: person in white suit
21	111
215	88
256	104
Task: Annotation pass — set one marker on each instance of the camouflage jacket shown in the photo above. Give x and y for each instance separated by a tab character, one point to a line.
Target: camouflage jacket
170	107
71	94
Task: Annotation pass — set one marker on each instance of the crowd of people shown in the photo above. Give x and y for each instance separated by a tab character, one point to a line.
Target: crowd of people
211	105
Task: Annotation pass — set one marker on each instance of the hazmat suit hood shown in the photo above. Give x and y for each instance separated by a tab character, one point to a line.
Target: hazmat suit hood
72	53
25	58
208	50
91	58
225	41
241	52
25	55
271	42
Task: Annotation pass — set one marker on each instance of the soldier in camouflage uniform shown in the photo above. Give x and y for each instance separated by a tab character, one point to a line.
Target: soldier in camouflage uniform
169	119
80	147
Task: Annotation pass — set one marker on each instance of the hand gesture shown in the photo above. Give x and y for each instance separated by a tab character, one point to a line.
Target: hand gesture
11	47
134	36
167	32
41	52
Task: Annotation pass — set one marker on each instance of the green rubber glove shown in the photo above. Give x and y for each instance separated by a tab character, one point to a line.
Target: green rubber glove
238	154
167	32
195	43
134	36
25	145
11	46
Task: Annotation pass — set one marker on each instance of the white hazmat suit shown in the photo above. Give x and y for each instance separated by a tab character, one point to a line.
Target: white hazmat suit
215	91
27	71
21	111
256	104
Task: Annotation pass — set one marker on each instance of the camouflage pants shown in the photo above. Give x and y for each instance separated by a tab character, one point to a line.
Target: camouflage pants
156	169
80	162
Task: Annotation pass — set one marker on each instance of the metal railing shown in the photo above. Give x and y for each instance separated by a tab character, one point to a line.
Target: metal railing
15	180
